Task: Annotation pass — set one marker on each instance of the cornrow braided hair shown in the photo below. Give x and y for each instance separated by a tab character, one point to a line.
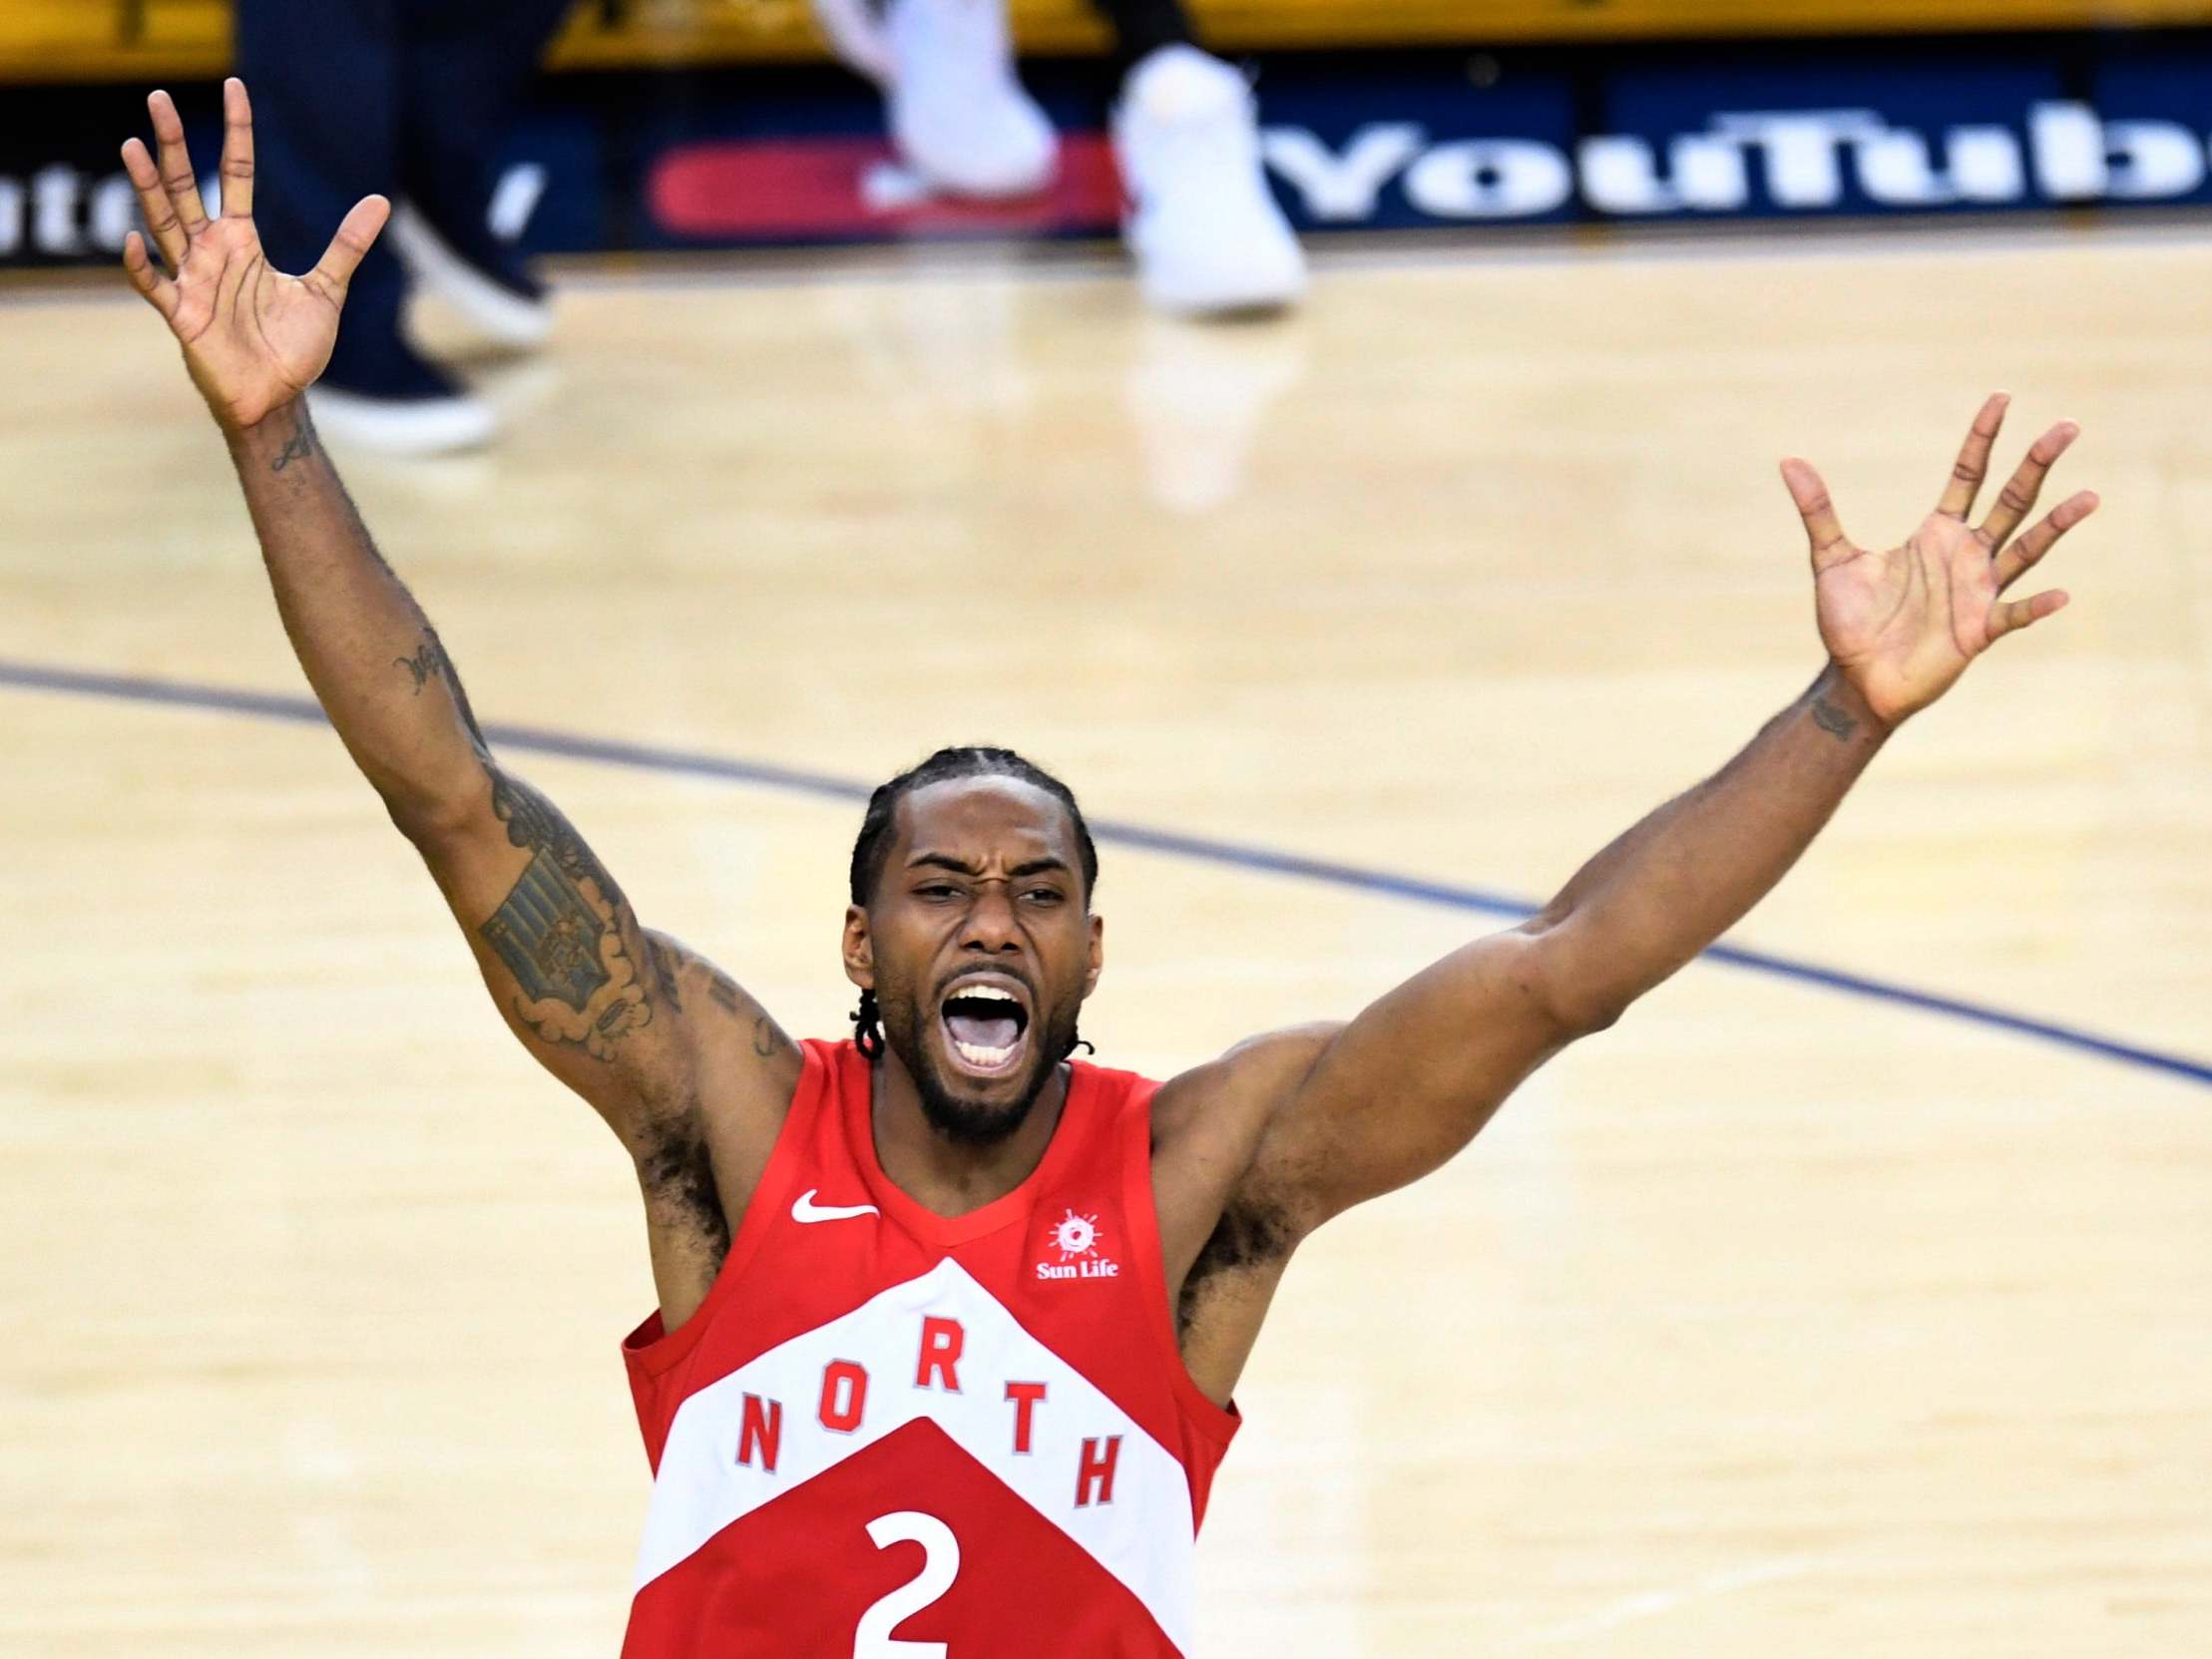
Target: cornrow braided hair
867	1027
873	845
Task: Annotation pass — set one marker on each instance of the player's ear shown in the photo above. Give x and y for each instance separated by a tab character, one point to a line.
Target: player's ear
1096	964
860	948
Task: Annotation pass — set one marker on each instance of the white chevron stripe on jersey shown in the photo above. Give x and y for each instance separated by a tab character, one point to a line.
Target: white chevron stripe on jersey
1144	1537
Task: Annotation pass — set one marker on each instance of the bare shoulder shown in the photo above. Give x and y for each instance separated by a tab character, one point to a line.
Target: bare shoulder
1209	1125
745	1071
1234	1095
1226	1231
700	1149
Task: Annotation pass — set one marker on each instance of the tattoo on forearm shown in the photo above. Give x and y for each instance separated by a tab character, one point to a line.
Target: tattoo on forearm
1833	720
300	446
431	662
558	932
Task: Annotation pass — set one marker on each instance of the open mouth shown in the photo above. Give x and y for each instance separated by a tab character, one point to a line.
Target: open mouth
985	1027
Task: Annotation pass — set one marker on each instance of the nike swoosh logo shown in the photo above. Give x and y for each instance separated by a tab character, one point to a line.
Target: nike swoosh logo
805	1209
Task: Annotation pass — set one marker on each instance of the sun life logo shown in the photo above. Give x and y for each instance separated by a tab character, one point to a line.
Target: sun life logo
1075	1237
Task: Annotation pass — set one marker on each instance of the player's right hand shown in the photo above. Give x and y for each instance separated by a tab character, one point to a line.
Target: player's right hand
253	339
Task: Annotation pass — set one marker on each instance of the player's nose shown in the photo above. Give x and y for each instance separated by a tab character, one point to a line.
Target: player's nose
990	923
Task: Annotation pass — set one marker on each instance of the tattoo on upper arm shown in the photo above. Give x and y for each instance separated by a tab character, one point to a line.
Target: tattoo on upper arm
1833	720
669	959
549	937
560	933
666	958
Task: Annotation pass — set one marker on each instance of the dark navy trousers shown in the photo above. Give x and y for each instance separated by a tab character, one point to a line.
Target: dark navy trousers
411	98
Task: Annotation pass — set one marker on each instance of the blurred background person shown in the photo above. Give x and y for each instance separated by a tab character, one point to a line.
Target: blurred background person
1199	219
410	99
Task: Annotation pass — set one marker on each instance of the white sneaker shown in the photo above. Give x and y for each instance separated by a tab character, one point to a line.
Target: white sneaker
401	426
959	116
1201	223
502	315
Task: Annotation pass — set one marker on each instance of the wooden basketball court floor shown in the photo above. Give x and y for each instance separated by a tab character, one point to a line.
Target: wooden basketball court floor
1786	1318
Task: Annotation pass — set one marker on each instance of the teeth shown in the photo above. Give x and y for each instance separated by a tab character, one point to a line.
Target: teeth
975	1054
989	993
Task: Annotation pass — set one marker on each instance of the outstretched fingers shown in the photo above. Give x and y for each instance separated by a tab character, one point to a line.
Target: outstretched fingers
175	165
2010	616
153	202
2017	499
238	150
2018	555
356	235
1973	464
1823	529
147	278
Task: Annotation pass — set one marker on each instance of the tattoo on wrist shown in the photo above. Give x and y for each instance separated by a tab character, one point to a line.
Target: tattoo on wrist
1833	720
300	446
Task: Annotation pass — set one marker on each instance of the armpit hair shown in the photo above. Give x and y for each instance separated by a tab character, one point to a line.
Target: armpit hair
1251	1233
678	1173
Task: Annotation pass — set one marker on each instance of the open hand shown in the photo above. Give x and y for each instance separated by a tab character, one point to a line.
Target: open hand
1903	624
253	339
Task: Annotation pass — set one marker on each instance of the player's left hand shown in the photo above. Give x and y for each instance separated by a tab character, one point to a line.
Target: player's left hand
1903	624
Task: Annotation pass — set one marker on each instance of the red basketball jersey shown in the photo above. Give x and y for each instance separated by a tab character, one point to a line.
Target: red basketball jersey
893	1434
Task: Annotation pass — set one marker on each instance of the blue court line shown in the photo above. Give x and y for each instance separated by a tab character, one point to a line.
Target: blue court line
650	757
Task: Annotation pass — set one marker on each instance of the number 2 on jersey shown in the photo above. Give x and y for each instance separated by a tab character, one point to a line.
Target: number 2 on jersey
940	1566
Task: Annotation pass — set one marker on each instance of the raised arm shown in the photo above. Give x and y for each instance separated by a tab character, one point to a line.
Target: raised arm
1406	1083
625	1018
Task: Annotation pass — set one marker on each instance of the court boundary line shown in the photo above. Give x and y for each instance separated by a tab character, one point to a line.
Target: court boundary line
1079	259
162	692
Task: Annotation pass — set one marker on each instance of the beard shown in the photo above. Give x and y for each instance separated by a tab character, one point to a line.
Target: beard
952	1113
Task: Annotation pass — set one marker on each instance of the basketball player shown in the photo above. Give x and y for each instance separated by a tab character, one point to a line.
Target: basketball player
949	1321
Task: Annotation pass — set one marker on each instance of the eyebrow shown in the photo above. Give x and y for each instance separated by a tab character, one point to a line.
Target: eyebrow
945	861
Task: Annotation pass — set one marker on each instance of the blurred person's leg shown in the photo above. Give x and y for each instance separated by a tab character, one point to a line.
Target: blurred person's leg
1205	231
464	70
1143	26
324	75
1201	223
957	110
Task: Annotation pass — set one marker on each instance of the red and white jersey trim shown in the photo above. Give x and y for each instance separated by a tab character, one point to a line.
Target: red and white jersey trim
1137	1525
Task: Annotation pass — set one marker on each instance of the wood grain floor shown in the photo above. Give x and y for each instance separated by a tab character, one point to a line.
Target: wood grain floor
1777	1320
